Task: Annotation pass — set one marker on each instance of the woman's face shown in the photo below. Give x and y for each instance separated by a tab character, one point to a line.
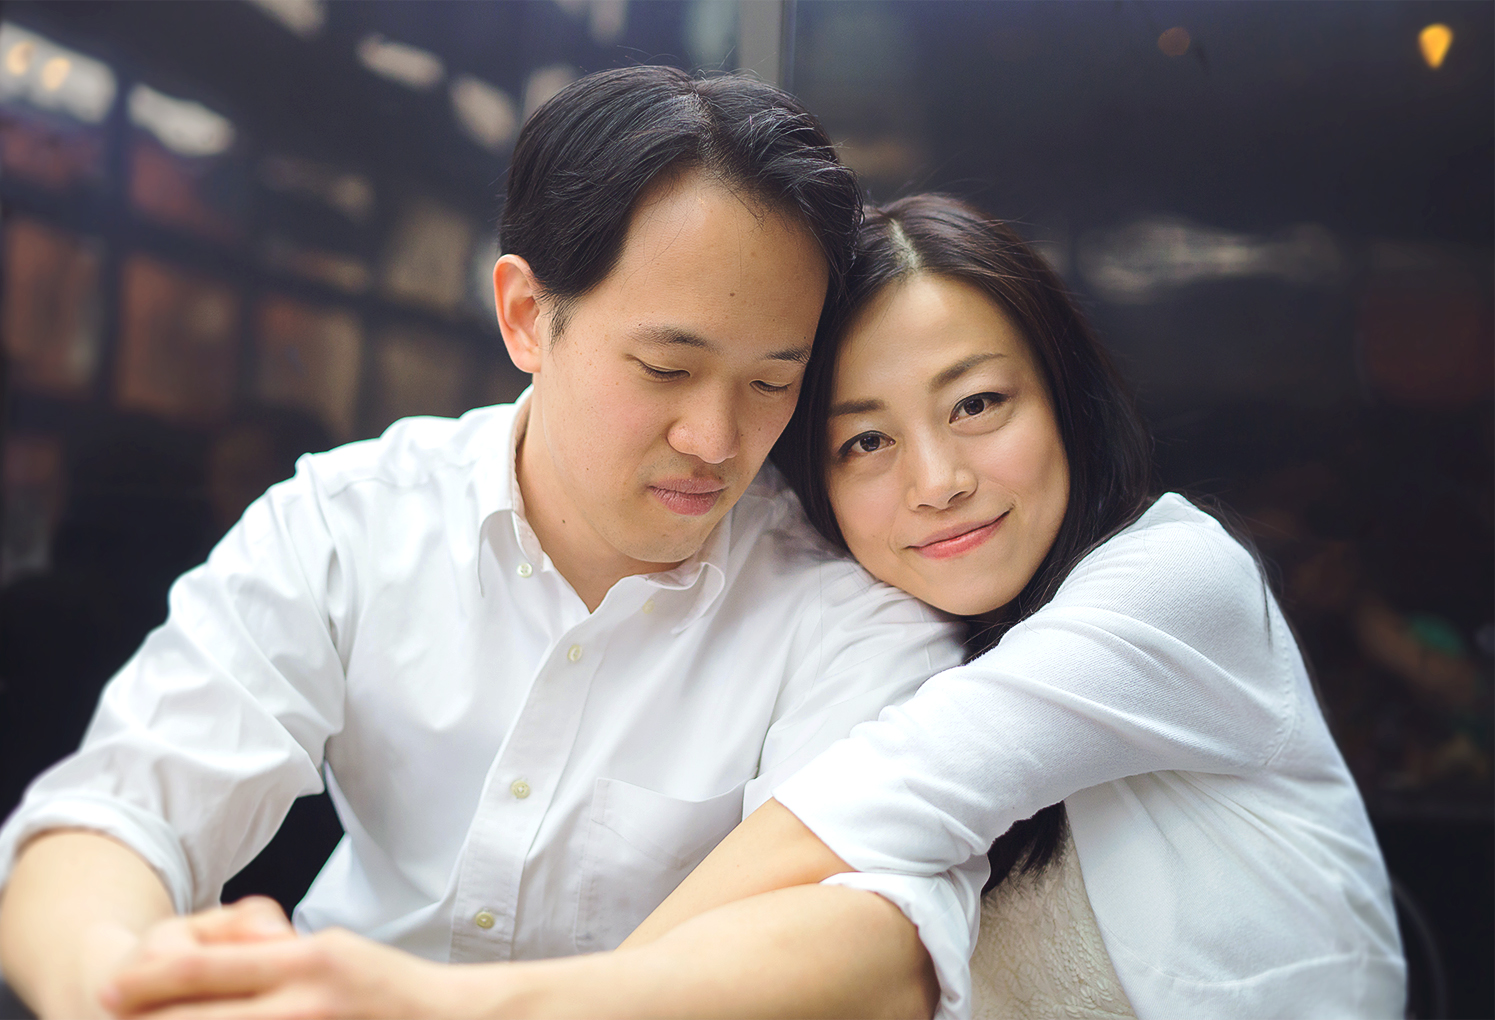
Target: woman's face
945	466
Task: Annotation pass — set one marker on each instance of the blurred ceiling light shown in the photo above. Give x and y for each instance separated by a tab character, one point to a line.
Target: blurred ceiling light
54	73
305	18
486	113
1136	263
1435	41
710	31
1175	41
349	193
183	126
544	83
18	57
54	77
606	19
411	66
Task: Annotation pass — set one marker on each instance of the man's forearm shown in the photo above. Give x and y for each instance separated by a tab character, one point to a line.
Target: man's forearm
74	906
808	951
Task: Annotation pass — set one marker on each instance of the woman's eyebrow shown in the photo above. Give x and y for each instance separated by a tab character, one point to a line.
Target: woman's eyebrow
855	407
960	368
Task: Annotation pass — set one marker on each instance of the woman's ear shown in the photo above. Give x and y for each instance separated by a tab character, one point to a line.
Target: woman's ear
516	295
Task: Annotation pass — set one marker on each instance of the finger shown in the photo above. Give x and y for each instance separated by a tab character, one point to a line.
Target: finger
204	972
252	919
282	1004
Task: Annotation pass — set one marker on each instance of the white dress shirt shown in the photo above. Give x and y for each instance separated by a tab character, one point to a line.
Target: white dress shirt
517	777
1225	849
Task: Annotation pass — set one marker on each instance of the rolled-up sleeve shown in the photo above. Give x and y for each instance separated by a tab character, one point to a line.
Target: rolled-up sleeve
1151	642
217	724
945	909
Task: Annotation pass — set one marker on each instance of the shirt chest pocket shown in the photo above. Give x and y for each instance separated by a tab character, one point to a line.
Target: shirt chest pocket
640	845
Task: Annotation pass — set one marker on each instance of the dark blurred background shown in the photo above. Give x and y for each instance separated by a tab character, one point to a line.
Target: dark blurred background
239	231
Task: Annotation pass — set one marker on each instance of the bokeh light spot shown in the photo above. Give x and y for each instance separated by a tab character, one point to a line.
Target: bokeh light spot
1175	41
1435	41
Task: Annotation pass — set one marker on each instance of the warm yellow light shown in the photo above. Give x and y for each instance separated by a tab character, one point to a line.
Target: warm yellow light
54	73
19	57
1175	41
1435	41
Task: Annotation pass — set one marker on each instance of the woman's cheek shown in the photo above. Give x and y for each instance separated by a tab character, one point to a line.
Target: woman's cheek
860	508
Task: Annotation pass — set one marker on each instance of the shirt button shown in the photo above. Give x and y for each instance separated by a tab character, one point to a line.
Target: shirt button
574	654
525	570
519	788
483	919
648	606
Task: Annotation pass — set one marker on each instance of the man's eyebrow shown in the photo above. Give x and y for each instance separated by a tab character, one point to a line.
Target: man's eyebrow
667	336
798	355
855	407
960	368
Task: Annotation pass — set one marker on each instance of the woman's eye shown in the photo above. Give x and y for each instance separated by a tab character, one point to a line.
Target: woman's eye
867	442
768	387
972	406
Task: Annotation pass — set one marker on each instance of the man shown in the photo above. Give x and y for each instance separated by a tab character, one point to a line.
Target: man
544	656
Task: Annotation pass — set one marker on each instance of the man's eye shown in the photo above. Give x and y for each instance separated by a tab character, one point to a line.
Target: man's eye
972	406
867	442
662	374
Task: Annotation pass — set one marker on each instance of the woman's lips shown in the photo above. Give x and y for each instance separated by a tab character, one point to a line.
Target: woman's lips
958	540
689	497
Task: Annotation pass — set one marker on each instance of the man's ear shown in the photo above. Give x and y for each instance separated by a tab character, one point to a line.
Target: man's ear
516	294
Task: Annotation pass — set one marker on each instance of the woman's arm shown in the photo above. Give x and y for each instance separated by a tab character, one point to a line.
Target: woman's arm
770	850
1157	655
809	951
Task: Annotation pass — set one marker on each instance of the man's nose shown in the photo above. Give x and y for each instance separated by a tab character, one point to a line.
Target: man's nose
937	476
708	427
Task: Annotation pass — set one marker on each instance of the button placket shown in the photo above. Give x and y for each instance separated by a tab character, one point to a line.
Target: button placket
516	804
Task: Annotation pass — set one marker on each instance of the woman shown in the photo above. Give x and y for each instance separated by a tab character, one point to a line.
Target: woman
963	435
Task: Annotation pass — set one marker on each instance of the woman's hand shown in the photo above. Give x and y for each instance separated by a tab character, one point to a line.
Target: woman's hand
246	961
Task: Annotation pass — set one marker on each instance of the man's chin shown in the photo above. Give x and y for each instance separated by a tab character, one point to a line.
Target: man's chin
683	541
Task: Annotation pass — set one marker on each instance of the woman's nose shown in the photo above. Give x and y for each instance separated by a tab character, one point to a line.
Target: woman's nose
938	478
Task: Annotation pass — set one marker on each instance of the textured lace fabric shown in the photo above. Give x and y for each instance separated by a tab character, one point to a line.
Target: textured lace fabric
1040	953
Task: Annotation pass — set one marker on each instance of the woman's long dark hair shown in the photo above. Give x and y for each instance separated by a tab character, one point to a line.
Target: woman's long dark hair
1107	446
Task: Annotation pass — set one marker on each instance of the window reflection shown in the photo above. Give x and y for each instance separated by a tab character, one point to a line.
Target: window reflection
51	308
182	170
426	262
310	357
418	372
178	342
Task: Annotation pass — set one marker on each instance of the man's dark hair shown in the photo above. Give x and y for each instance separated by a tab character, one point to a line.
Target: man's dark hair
584	158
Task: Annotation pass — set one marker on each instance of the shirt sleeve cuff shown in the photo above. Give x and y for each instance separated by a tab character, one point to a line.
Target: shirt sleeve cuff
145	834
948	931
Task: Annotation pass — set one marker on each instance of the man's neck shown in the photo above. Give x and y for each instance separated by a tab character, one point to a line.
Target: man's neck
587	562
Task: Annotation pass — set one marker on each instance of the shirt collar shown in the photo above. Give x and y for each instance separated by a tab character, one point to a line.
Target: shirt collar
496	486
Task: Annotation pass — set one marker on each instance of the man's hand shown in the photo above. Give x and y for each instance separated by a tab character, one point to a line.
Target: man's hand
233	963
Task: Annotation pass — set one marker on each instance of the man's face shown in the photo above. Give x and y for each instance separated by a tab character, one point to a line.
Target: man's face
671	381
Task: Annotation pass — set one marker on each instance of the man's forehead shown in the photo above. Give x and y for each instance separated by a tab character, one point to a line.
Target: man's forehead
672	337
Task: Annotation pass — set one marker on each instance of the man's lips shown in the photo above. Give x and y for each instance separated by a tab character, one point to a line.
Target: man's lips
961	538
690	497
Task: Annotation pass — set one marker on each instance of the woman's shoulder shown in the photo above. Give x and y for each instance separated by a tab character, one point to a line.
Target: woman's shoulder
1173	543
1176	568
